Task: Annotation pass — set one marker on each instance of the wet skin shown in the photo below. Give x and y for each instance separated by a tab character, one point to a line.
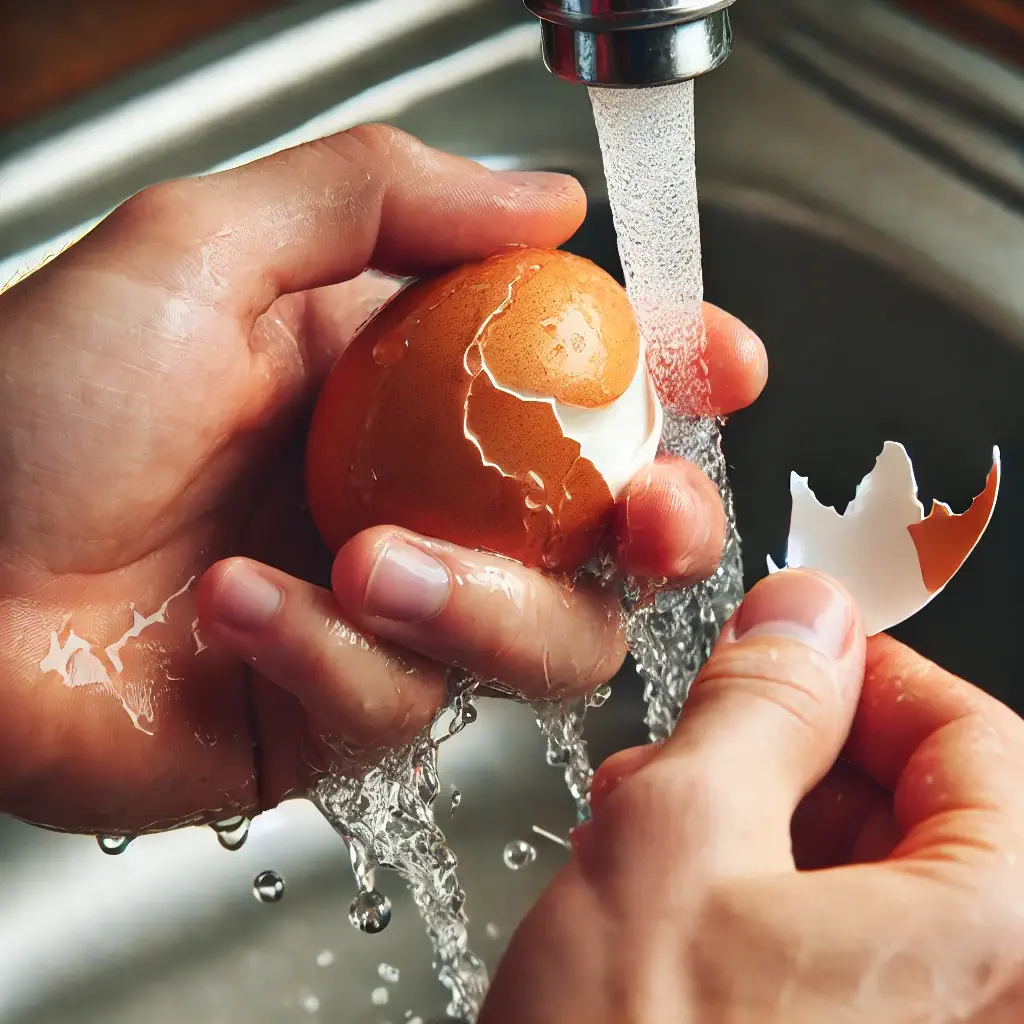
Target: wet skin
157	378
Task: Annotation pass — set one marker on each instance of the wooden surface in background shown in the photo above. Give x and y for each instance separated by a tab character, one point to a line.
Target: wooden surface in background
54	50
996	25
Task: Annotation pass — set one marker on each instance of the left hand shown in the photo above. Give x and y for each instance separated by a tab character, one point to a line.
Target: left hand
155	382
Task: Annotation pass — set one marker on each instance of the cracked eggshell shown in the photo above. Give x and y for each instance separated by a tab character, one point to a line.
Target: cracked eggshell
891	557
502	406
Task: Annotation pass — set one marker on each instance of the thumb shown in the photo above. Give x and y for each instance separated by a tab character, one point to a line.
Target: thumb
766	719
771	710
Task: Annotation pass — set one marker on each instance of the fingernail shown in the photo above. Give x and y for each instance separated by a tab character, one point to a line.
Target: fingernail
800	606
245	600
406	584
536	181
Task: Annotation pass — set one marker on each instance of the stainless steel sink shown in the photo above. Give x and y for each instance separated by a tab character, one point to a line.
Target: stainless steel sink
886	285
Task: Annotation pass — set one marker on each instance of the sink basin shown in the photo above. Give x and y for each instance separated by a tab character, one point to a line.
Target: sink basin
886	288
858	355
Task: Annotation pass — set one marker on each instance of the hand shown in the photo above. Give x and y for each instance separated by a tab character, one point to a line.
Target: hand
155	387
893	895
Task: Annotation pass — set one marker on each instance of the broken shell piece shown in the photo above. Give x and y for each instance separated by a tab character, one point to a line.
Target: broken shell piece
883	549
502	406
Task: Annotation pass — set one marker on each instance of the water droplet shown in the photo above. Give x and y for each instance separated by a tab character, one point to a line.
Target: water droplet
600	696
456	798
309	1002
493	931
232	832
518	854
390	351
268	887
370	911
380	996
325	958
113	844
388	973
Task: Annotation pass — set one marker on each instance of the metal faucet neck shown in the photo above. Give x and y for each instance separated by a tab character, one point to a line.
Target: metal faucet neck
633	43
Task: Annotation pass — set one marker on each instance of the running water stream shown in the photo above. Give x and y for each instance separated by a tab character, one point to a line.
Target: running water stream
387	817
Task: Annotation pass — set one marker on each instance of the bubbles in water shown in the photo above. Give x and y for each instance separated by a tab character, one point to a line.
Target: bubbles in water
380	996
388	973
268	887
370	912
232	832
325	958
456	798
518	854
114	845
386	817
647	142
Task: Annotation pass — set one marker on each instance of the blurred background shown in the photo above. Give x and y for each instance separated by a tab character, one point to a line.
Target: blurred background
861	169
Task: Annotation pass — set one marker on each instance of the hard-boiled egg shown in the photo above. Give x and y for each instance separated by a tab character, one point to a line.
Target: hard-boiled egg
503	406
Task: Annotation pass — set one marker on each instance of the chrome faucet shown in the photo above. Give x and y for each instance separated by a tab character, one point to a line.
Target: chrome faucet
633	43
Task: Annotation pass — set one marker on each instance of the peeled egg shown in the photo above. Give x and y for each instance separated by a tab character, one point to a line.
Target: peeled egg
503	406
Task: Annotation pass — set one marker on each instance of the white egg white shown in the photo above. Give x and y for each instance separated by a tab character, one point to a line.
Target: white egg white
620	438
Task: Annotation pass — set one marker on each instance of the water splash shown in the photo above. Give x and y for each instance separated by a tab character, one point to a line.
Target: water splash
648	146
518	854
232	832
268	887
386	818
113	845
389	973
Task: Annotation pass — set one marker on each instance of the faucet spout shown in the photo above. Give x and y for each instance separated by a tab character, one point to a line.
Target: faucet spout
627	44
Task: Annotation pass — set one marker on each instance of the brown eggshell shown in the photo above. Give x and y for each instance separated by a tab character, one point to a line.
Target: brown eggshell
566	329
408	431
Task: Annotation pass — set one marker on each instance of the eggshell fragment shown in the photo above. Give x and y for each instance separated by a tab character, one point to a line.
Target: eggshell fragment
891	557
502	406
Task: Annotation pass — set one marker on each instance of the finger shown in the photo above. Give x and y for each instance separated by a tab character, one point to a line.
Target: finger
670	523
846	819
769	713
953	754
352	687
324	211
617	769
303	333
479	612
736	361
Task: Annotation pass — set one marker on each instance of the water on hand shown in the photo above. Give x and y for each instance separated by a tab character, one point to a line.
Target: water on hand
386	818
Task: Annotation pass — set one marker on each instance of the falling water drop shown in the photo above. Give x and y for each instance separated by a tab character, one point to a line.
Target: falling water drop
232	832
113	844
380	996
600	696
456	798
370	911
268	887
518	854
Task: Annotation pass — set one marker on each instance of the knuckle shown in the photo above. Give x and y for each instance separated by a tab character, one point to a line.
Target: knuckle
167	203
799	683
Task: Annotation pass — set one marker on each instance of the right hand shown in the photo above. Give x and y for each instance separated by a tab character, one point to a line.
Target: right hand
893	895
